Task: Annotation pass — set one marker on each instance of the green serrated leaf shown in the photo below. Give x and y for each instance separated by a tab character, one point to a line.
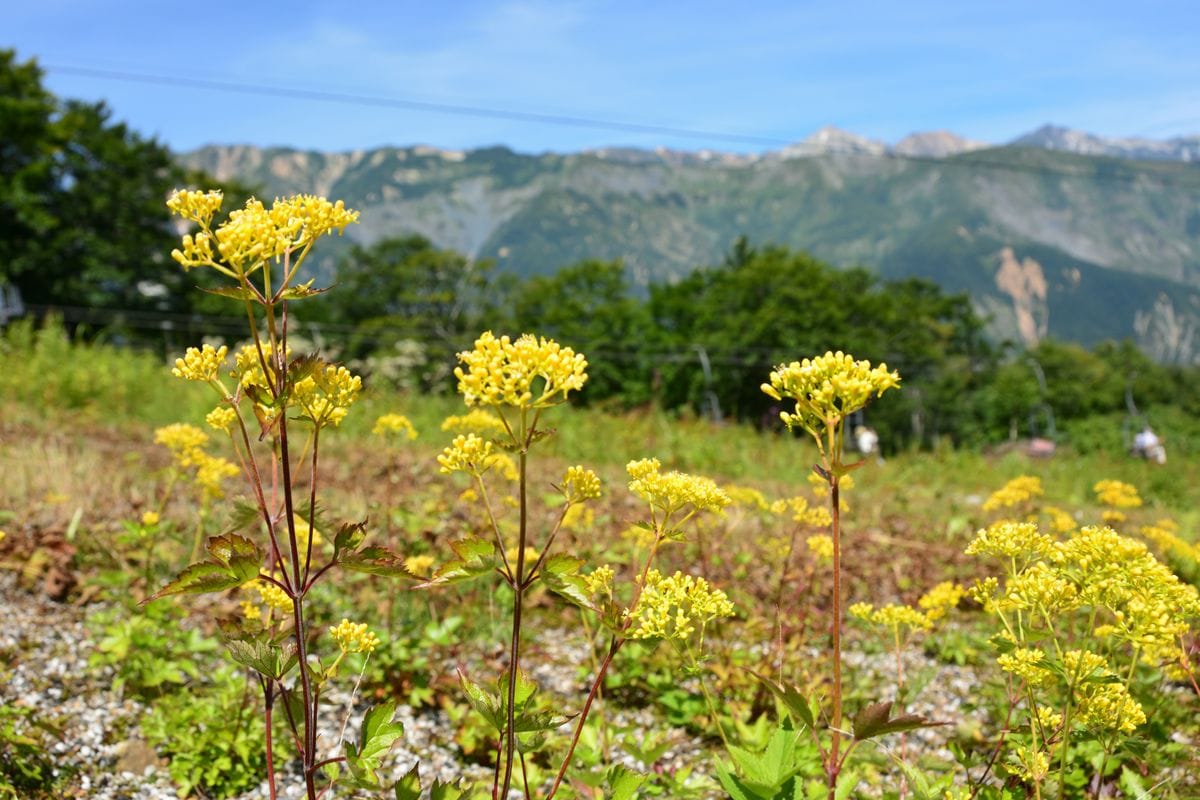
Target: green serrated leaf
265	657
475	557
378	735
560	573
206	576
409	787
238	554
623	782
876	720
486	704
349	536
376	561
448	791
243	516
797	705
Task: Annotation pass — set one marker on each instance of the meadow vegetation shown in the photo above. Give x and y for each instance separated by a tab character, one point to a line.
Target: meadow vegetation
799	623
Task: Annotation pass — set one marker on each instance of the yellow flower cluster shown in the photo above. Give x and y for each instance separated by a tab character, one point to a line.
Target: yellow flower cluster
599	583
149	519
326	395
1060	521
1163	534
211	472
183	440
893	615
474	421
1103	704
800	510
503	372
354	637
1027	663
821	546
1040	589
1030	763
200	364
1020	489
673	607
186	443
420	565
578	517
1117	494
394	424
827	388
196	206
1150	608
255	234
672	491
1011	540
221	418
580	484
467	453
248	370
272	596
941	599
747	496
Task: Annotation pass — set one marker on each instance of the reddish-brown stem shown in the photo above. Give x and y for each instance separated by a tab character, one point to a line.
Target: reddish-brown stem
583	715
833	767
269	702
514	658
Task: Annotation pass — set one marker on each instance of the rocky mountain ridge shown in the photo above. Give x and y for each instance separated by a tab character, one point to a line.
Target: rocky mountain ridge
1046	242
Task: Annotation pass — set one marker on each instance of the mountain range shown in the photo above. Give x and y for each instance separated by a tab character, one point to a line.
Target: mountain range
1058	233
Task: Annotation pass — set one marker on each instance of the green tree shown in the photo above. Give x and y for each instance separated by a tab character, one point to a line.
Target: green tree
403	295
589	307
82	215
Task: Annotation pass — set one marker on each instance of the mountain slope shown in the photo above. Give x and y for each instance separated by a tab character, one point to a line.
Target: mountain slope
1046	242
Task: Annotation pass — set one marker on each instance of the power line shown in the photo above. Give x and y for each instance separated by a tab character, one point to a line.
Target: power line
411	105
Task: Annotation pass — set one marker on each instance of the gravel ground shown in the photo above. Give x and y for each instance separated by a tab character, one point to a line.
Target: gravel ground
44	651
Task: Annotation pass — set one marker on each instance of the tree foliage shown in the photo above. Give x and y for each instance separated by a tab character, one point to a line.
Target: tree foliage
82	220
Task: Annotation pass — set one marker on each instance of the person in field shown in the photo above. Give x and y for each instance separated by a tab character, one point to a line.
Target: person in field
1147	445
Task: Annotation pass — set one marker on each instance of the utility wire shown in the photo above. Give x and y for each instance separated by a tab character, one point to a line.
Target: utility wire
411	105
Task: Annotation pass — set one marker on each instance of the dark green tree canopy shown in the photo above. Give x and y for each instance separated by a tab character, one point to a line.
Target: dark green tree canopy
82	215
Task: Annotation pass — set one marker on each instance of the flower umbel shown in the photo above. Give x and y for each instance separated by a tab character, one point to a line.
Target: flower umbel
828	388
531	372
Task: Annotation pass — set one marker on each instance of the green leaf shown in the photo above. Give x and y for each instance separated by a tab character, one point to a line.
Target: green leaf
244	515
448	791
623	782
1132	785
349	536
265	657
301	291
376	561
561	575
486	704
476	557
876	720
236	292
378	735
206	576
409	787
237	553
797	705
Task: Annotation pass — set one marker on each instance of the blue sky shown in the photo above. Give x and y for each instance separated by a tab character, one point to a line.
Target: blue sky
759	73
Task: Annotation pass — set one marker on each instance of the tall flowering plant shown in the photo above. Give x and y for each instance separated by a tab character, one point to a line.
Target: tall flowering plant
267	397
518	380
826	390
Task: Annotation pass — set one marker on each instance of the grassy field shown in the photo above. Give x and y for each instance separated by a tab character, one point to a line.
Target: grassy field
100	516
